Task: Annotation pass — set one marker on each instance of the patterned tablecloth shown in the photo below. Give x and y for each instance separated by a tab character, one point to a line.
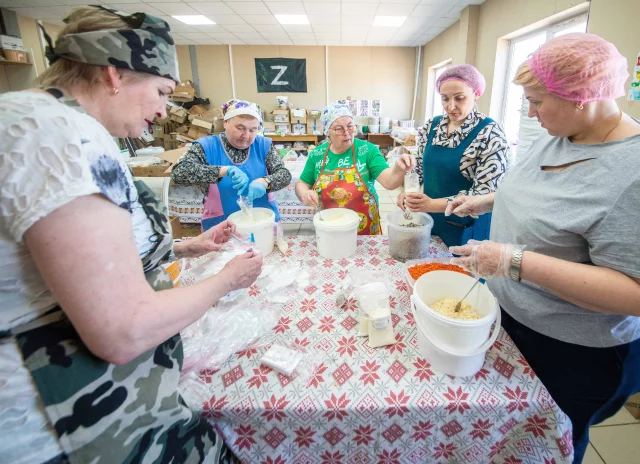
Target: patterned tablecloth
383	405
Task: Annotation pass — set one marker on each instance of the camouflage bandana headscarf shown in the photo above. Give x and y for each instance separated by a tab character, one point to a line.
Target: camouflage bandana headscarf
148	48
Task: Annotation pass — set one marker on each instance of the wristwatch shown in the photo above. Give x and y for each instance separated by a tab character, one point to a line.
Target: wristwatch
266	179
516	263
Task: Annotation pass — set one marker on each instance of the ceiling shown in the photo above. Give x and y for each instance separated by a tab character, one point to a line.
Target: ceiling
332	22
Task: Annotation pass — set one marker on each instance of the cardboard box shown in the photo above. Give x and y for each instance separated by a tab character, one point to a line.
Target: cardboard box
8	42
299	129
298	116
158	131
176	227
269	127
203	124
173	156
158	170
280	116
16	56
197	110
164	121
633	405
184	92
196	133
178	114
313	114
284	128
314	127
182	130
410	141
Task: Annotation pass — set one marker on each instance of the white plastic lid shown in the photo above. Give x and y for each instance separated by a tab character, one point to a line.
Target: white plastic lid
336	219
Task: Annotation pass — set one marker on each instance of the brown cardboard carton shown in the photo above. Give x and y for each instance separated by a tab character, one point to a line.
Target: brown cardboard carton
298	116
633	405
203	124
158	131
197	110
299	129
178	115
313	114
158	170
196	133
318	127
280	116
410	141
173	155
269	127
184	92
282	127
16	56
176	227
182	130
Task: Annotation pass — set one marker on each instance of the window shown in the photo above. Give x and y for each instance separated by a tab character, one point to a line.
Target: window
521	130
434	103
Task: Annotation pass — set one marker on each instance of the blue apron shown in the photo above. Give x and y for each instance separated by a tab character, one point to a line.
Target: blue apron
442	178
254	167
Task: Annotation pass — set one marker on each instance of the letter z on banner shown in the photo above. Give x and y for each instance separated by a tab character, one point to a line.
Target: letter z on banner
281	74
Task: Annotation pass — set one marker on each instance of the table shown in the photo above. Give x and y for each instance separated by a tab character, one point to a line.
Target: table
381	139
383	405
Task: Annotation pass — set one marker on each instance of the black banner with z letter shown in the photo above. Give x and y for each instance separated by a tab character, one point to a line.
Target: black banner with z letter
281	74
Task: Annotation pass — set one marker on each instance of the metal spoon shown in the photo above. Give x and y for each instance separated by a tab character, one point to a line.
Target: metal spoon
459	305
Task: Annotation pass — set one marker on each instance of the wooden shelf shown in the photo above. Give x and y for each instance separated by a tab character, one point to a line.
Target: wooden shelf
293	138
6	62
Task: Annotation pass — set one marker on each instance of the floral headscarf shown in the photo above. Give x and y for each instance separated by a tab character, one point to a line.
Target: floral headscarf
333	112
234	108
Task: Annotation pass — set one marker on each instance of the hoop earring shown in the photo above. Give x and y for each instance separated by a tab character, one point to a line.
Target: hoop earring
116	90
580	106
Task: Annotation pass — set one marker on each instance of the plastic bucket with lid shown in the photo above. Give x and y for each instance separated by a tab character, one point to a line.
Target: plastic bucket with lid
446	332
409	242
336	232
458	363
261	226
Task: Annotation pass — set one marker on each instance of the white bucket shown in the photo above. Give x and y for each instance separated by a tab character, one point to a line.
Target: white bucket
458	363
261	227
446	332
337	234
374	129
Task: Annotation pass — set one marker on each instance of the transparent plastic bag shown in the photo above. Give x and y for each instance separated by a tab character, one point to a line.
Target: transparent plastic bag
293	361
372	291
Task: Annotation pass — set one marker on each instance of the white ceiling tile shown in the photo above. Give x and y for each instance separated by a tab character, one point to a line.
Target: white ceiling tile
173	9
376	43
305	42
283	41
434	30
211	8
118	2
324	19
225	20
208	41
260	19
274	37
257	8
355	30
37	3
142	7
355	9
194	35
221	35
414	24
449	3
234	41
323	1
9	4
413	2
170	21
50	12
200	1
429	11
323	28
400	43
302	36
248	35
382	32
182	28
353	42
330	42
395	9
359	1
290	8
321	9
257	41
454	12
240	29
298	28
405	35
185	42
155	1
357	20
207	28
445	22
73	2
269	28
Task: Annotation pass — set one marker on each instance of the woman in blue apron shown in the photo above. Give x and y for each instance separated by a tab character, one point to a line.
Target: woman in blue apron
462	152
236	162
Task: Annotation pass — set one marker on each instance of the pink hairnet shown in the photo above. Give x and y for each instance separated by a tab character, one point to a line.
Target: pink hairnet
580	67
464	73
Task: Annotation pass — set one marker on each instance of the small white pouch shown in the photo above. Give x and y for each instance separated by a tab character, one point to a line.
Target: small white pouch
281	359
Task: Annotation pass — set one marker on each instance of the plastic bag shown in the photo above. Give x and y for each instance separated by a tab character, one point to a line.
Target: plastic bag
372	291
299	364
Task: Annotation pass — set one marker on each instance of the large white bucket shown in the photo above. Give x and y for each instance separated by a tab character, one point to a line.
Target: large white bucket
454	334
261	227
337	233
458	363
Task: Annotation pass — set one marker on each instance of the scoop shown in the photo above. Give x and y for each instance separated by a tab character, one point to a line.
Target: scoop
244	206
459	305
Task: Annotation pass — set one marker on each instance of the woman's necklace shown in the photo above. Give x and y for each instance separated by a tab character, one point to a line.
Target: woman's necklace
614	127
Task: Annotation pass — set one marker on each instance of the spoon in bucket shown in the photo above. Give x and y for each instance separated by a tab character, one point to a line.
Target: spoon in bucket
459	305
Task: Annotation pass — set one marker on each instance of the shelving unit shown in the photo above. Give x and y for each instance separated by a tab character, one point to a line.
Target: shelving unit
294	138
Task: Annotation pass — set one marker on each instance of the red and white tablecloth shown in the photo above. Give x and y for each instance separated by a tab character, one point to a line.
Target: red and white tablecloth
383	405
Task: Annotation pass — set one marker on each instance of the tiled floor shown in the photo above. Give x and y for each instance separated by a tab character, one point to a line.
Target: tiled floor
612	442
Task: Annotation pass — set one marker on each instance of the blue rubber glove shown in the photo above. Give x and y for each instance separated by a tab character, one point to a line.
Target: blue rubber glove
238	178
256	190
273	206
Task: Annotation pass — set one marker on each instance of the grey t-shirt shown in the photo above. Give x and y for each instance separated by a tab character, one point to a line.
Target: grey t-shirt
589	213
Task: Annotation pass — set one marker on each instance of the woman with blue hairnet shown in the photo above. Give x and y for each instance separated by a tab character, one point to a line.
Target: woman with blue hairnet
238	162
341	172
563	260
462	152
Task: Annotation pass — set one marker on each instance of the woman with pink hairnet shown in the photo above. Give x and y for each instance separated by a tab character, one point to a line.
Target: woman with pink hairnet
463	151
564	255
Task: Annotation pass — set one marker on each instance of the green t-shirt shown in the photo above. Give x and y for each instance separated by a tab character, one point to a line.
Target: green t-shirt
368	157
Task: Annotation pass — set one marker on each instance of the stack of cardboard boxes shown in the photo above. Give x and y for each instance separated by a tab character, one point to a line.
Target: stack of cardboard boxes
182	126
293	121
12	49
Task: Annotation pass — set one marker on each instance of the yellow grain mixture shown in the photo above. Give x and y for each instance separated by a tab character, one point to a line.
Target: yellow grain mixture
447	307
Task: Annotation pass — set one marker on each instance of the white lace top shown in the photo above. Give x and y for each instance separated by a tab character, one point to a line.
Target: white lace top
50	154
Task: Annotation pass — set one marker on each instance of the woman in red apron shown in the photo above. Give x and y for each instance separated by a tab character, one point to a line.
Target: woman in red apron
341	172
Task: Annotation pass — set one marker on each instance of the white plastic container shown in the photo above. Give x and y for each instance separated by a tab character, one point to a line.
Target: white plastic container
458	363
337	234
446	332
374	129
261	227
409	242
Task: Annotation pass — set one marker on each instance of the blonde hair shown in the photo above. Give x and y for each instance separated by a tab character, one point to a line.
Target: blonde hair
525	77
66	73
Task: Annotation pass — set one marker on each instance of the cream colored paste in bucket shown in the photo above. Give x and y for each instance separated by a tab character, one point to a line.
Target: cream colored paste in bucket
336	219
246	220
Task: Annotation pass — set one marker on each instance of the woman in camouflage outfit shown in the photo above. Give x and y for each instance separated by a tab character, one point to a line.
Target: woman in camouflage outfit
90	351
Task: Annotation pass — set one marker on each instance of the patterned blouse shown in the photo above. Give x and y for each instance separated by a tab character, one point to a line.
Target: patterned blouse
193	168
484	162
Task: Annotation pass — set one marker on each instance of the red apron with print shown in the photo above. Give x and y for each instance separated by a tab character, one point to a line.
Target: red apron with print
345	188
